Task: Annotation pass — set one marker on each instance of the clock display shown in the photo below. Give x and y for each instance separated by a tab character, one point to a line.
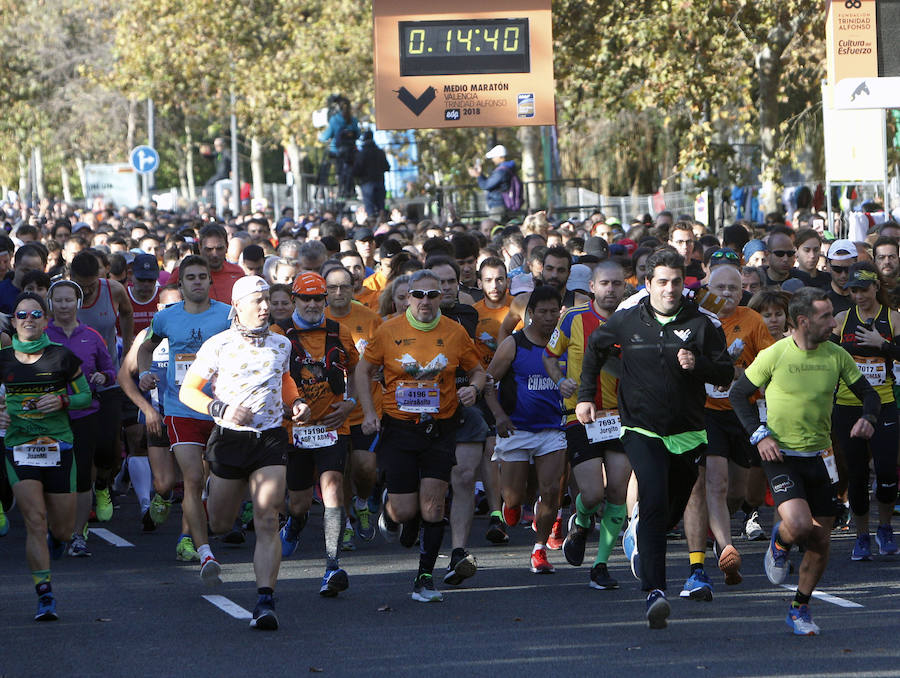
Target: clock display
461	47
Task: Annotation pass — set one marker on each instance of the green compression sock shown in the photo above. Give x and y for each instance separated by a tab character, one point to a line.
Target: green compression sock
583	514
41	579
610	527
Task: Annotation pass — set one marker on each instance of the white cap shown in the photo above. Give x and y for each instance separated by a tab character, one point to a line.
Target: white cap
498	151
244	287
521	283
842	249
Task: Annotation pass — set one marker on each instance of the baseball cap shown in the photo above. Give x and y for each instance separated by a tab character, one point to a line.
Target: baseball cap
724	255
363	233
841	250
791	285
596	245
523	282
389	248
860	277
579	279
80	226
146	267
629	245
244	287
309	283
498	151
752	247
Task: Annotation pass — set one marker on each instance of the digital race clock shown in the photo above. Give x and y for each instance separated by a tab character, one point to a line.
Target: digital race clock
464	47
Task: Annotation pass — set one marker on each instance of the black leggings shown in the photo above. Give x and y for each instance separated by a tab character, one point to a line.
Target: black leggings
665	481
108	450
882	447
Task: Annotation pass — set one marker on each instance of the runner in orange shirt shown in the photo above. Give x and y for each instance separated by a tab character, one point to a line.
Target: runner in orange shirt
420	352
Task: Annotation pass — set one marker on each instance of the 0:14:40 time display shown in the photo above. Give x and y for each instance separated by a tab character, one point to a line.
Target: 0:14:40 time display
466	41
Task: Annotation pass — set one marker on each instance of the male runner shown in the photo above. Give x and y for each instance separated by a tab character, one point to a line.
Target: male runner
557	262
800	374
420	352
598	455
529	420
187	325
223	274
669	349
248	369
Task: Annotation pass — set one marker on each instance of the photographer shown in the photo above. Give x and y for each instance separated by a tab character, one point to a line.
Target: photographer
342	132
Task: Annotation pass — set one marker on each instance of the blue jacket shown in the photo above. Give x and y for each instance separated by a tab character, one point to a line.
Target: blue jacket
336	125
497	183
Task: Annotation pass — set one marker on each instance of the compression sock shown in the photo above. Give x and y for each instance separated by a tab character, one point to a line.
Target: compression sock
801	599
266	594
610	526
584	514
698	558
204	551
41	579
432	537
334	524
141	479
781	544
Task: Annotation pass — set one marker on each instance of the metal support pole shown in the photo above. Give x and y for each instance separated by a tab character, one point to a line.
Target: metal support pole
235	165
151	137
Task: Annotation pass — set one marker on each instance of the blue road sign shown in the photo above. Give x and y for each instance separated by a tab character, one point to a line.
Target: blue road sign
144	159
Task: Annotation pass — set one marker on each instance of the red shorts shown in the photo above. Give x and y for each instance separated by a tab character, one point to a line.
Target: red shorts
185	430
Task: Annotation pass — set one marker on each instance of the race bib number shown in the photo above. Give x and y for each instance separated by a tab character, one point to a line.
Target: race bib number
897	372
182	362
714	392
606	426
830	465
37	453
422	398
311	437
873	369
763	412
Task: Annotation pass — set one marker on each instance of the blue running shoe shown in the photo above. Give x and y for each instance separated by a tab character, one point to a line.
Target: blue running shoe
698	587
776	560
630	545
658	609
290	538
264	617
46	608
800	621
365	524
333	583
884	537
862	549
57	548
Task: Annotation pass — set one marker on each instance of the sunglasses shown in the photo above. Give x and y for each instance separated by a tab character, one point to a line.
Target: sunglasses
840	270
724	255
421	294
310	297
36	315
784	253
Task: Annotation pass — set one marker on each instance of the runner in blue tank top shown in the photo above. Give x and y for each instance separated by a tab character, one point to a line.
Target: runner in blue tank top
529	421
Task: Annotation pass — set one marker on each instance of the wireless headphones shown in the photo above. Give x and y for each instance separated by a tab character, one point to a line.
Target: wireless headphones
79	293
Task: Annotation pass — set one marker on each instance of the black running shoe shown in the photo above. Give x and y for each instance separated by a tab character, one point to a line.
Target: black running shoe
600	578
496	533
576	539
147	524
462	566
264	617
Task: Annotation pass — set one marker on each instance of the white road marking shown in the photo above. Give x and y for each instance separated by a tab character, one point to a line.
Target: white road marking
110	537
228	606
508	588
827	597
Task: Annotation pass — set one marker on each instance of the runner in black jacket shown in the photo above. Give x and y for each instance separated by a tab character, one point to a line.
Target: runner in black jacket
669	348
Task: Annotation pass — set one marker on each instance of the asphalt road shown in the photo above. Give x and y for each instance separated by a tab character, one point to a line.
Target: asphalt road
134	611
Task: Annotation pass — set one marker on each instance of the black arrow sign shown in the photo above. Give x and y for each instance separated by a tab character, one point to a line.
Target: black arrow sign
416	104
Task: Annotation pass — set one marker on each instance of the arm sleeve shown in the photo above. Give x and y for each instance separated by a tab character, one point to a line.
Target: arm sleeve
714	365
867	395
289	392
191	393
746	411
80	393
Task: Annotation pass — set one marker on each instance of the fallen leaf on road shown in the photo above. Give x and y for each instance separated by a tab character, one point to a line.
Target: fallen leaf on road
102	619
517	619
633	647
316	669
385	608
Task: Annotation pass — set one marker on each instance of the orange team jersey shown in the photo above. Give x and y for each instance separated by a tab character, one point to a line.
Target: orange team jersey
309	372
362	323
420	367
222	281
369	298
745	325
489	320
568	342
377	281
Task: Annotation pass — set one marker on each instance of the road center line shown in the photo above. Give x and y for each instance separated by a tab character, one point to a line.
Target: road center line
228	606
108	536
827	597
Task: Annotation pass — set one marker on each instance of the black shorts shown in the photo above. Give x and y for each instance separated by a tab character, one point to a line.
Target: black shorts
727	438
581	449
409	452
60	479
85	431
235	455
130	412
107	455
472	427
802	478
159	440
362	441
304	466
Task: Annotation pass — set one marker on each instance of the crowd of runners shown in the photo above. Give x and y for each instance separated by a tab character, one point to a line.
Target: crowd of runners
592	379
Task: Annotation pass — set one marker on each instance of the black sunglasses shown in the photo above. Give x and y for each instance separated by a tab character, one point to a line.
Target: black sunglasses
840	270
36	314
421	294
784	253
310	297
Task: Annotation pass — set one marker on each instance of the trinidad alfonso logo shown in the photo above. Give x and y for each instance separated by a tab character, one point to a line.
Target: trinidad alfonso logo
684	335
